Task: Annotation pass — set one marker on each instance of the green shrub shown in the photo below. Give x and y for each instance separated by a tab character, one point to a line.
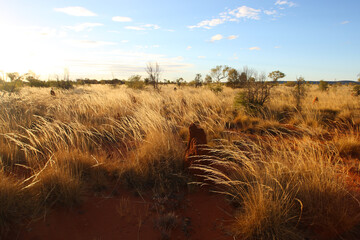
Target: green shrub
11	87
216	87
37	83
323	86
135	82
356	90
255	94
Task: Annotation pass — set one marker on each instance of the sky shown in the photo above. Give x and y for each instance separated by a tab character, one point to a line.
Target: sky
317	40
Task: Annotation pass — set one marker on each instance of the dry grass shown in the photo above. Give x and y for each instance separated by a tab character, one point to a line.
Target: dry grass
286	174
283	189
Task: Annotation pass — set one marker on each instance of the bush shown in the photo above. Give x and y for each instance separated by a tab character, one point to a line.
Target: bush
299	91
11	87
216	87
37	83
64	85
135	82
323	86
256	94
356	90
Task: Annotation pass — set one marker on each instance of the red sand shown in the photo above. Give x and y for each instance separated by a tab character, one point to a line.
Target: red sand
200	215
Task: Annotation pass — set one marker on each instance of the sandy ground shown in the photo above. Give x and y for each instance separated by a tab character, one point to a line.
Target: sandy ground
197	215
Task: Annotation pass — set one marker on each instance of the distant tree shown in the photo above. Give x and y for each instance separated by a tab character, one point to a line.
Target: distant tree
358	77
233	78
198	80
219	72
135	82
299	91
153	72
208	79
15	83
179	81
256	91
323	86
13	76
276	75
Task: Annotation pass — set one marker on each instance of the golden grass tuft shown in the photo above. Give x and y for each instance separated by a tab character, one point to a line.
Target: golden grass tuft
56	186
11	201
157	164
290	190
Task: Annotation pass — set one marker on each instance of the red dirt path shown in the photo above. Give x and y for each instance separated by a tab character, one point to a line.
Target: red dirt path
200	215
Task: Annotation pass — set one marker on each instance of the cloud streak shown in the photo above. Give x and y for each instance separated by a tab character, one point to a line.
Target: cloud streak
231	15
143	27
216	37
76	11
285	2
219	37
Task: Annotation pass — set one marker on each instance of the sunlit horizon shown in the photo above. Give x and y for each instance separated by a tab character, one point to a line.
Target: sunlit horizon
116	39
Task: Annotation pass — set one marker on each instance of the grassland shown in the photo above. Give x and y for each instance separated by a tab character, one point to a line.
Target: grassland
289	174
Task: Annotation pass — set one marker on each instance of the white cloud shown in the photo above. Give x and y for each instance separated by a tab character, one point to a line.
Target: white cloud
277	47
201	57
208	23
254	48
152	26
76	11
285	2
216	37
143	27
188	47
245	12
121	19
270	12
124	41
345	22
232	37
83	26
233	15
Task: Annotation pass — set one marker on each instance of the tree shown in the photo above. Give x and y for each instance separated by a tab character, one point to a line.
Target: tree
208	79
153	72
179	81
358	77
323	86
219	72
13	76
276	75
15	83
257	91
198	80
135	82
299	92
233	78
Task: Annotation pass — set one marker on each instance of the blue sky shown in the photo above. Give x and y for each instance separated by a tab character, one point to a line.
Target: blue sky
105	39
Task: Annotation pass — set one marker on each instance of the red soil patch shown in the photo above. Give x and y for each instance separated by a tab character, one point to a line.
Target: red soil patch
199	215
